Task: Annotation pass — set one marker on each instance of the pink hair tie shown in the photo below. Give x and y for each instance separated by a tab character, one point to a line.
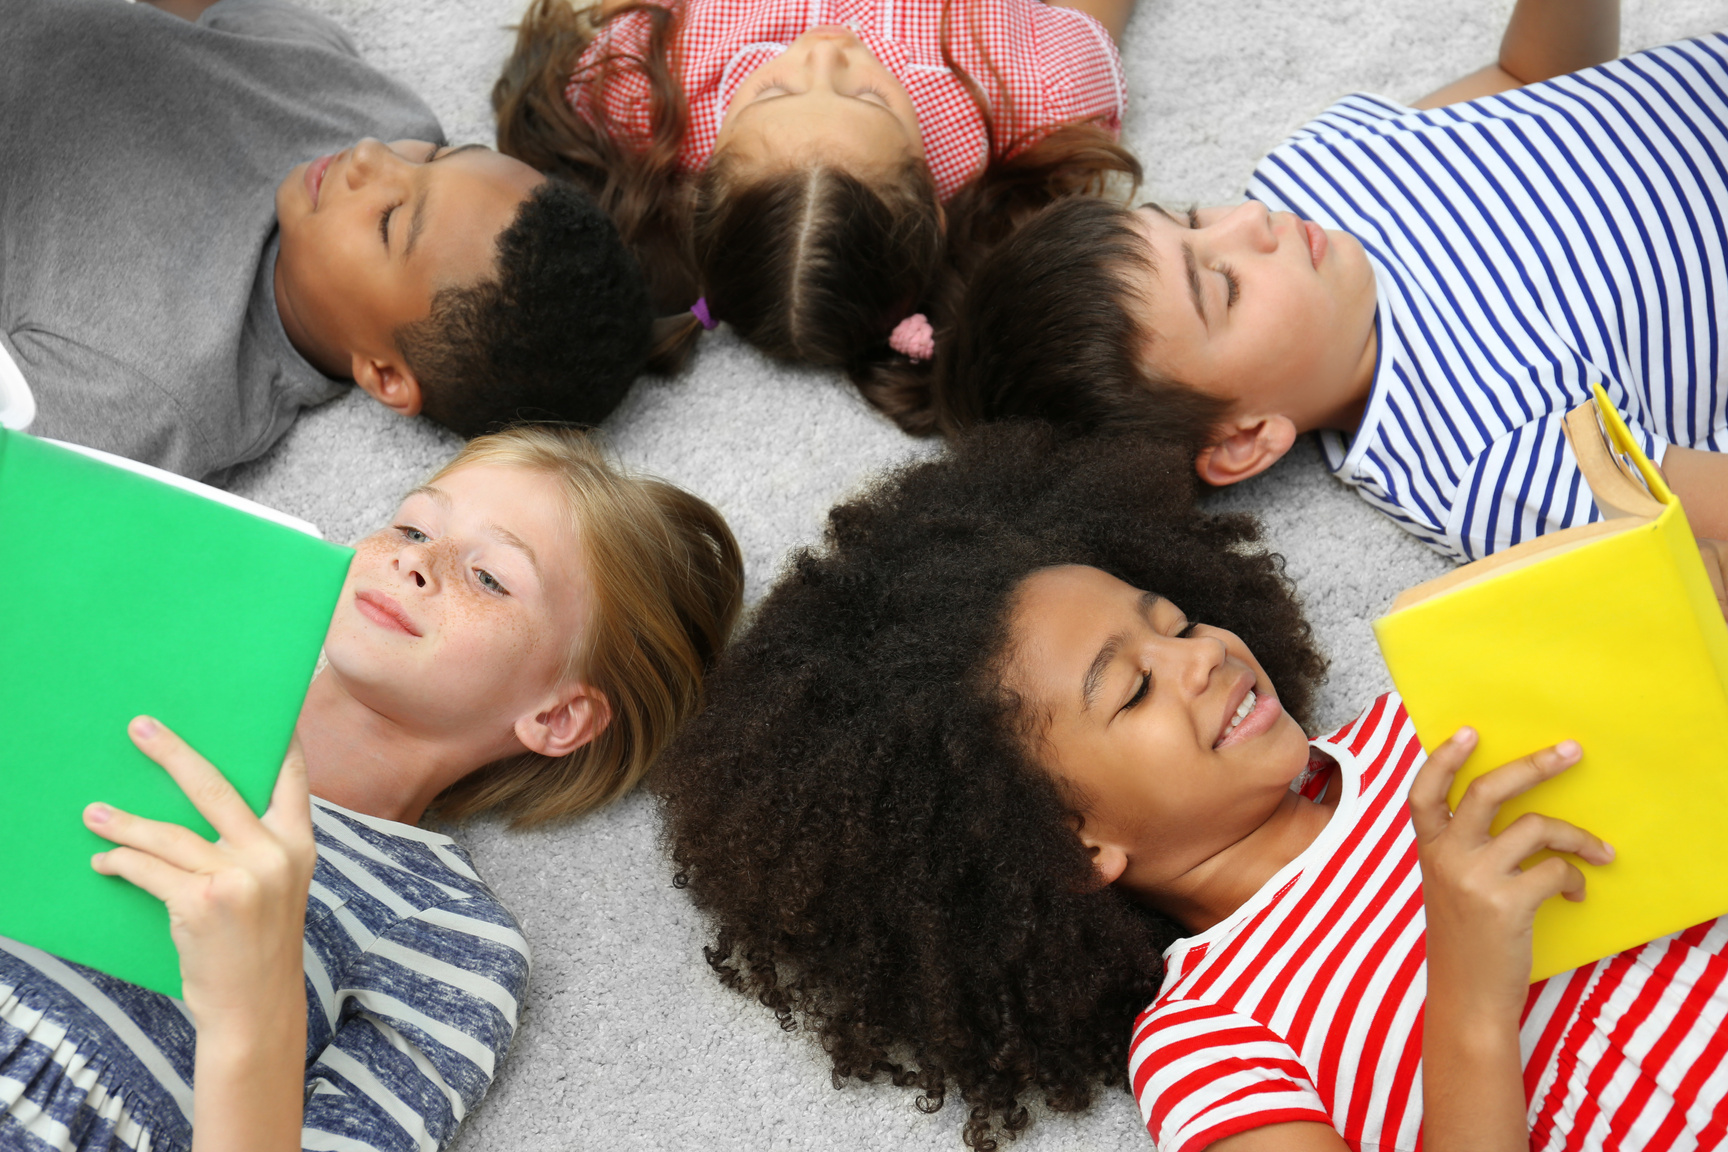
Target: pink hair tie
913	337
703	316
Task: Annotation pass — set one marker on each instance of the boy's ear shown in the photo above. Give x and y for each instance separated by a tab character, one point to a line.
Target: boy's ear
1247	448
579	714
389	382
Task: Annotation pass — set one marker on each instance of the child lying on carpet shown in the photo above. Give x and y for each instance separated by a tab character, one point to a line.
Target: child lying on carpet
819	175
177	281
524	638
1431	291
1018	757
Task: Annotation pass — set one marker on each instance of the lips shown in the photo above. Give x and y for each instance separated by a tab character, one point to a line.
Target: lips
384	612
1239	725
1316	241
315	173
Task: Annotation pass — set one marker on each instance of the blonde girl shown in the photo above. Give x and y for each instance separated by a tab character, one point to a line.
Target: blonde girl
522	638
821	176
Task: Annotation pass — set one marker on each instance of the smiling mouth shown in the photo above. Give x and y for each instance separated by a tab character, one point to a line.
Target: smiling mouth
1242	711
384	612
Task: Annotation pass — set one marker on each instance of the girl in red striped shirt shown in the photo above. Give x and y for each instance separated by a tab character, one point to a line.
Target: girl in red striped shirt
820	174
1006	791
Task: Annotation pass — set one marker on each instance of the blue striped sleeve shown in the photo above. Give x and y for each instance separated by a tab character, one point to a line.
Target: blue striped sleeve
429	1011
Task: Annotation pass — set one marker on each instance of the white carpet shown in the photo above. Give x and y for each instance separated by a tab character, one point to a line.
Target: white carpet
628	1041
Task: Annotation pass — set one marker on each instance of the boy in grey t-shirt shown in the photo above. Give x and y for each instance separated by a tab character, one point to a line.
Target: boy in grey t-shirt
201	233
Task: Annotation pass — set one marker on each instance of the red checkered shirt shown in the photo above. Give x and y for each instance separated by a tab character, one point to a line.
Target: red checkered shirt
1056	65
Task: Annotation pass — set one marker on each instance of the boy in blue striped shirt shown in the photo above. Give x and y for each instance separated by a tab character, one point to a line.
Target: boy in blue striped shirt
1429	288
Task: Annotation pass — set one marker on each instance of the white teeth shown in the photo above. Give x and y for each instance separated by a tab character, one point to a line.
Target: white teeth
1242	711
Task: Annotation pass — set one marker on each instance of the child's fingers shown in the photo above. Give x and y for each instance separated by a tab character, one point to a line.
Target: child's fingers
1533	832
1429	811
1555	876
208	790
177	845
1482	799
290	811
155	876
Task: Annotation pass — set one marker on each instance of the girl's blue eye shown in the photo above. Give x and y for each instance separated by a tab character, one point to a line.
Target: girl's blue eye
412	535
490	582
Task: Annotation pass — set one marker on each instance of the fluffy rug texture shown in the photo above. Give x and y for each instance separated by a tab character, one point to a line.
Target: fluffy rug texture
628	1040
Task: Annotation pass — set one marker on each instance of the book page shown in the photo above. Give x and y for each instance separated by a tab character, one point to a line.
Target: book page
17	405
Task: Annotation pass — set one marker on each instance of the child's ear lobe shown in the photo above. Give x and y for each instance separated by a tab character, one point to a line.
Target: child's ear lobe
1246	449
579	715
1109	859
389	382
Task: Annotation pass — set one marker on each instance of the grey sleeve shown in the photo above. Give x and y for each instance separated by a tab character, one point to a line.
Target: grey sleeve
278	20
89	398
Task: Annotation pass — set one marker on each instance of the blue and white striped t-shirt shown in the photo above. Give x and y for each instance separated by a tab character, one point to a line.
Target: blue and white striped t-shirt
414	981
1525	246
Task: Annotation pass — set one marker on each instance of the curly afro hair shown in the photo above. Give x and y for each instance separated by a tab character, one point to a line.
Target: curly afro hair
857	810
559	335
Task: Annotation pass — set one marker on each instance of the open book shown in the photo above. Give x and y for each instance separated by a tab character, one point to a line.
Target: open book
1609	634
125	591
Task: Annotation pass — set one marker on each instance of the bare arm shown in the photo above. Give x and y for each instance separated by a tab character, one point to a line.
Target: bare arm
1544	38
1480	903
1700	479
237	909
1113	14
185	9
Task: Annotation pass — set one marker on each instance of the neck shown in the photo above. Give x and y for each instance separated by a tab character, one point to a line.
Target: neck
317	353
1344	411
369	763
1225	881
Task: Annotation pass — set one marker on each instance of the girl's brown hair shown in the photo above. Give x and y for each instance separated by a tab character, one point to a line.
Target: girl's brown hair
814	264
667	579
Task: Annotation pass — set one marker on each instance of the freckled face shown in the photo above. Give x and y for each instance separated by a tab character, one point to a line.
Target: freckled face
826	97
459	617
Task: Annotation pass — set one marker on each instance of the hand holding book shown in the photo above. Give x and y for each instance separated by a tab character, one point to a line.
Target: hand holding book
237	912
1481	906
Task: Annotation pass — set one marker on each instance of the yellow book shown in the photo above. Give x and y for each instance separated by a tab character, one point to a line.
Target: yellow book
1608	634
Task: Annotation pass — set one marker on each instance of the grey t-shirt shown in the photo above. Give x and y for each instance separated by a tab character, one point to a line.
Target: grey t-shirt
139	159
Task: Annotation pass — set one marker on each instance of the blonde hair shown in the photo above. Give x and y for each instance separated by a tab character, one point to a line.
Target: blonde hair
667	580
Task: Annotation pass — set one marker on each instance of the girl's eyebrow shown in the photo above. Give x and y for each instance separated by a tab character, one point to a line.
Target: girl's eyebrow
1094	677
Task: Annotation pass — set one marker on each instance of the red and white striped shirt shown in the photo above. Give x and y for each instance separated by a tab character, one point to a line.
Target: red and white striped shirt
1056	65
1306	1003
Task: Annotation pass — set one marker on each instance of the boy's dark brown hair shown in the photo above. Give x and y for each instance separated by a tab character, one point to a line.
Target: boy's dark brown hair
812	264
881	859
1049	330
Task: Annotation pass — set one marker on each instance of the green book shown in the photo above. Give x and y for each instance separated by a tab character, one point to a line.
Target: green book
136	592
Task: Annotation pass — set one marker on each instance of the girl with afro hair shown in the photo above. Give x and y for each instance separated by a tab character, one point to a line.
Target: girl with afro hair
1006	792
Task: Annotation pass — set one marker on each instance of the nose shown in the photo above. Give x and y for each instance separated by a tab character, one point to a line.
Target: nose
1195	658
416	564
1250	223
367	161
827	61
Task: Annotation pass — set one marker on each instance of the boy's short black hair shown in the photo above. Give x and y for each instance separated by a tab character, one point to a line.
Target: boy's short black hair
559	335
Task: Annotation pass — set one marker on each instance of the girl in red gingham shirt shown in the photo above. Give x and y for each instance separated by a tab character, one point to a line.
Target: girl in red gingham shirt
820	173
